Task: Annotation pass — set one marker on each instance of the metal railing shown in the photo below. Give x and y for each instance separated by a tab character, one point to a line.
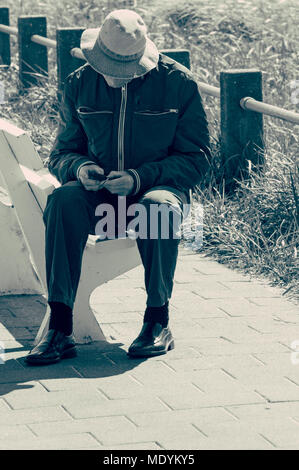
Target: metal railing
241	134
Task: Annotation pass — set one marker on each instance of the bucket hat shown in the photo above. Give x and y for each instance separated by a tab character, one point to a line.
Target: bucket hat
120	48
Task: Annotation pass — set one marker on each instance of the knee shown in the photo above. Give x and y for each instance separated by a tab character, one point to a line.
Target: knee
155	203
162	219
66	194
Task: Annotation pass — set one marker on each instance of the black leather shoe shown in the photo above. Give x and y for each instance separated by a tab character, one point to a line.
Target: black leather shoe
52	348
153	340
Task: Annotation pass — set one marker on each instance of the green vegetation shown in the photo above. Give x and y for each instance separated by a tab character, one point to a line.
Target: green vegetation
256	229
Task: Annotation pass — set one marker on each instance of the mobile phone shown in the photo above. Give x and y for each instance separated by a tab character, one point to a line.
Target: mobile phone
94	175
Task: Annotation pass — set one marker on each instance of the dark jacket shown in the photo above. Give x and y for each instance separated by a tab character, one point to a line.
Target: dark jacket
155	125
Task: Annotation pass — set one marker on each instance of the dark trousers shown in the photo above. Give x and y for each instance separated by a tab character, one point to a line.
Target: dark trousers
70	216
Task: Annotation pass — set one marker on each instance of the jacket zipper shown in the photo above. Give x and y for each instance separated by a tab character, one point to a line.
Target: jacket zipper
88	113
151	113
121	128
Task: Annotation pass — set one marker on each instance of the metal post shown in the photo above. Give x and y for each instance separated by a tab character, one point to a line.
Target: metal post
67	39
241	131
33	57
4	38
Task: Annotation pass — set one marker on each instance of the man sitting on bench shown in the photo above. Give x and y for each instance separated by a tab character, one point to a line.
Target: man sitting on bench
133	132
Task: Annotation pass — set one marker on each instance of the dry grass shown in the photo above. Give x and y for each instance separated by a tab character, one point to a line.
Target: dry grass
255	230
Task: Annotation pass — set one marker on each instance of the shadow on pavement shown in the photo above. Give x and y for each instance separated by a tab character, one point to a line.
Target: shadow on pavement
20	317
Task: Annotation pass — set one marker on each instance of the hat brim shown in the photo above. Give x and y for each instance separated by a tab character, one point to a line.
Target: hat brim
103	64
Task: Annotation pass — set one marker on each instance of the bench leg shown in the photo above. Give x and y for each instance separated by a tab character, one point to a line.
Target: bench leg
86	327
44	327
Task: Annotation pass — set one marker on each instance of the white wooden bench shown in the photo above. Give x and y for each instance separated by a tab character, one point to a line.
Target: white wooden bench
28	184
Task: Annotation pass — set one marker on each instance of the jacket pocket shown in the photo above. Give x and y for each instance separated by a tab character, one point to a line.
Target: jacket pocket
97	125
152	134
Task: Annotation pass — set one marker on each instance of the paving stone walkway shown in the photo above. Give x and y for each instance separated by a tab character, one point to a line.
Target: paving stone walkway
232	381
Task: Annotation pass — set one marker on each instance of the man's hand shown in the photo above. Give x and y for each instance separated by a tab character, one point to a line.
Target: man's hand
89	183
121	183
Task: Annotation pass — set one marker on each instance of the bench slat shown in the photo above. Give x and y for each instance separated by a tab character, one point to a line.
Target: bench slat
22	146
27	210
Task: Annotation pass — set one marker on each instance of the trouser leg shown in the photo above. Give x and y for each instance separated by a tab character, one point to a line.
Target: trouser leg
68	218
159	254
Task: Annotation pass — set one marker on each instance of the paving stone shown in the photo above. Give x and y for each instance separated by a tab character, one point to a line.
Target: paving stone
117	317
19	301
110	293
225	346
211	380
20	319
255	377
187	366
38	397
229	328
247	361
273	325
282	390
10	365
135	446
97	426
72	441
265	411
115	407
196	310
6	317
147	433
278	304
36	373
241	307
33	415
235	395
130	304
212	292
234	436
179	444
121	381
175	417
149	373
282	432
5	335
251	289
293	376
18	333
233	351
14	432
4	408
194	332
277	361
123	389
185	298
223	274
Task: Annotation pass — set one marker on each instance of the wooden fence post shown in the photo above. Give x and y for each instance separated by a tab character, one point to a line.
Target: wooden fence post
118	4
67	39
241	131
180	55
4	38
33	57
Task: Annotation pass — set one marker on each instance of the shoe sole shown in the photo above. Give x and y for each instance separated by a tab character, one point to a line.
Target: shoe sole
68	354
153	353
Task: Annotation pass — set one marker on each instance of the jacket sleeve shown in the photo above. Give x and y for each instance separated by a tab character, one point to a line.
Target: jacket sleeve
190	155
70	146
